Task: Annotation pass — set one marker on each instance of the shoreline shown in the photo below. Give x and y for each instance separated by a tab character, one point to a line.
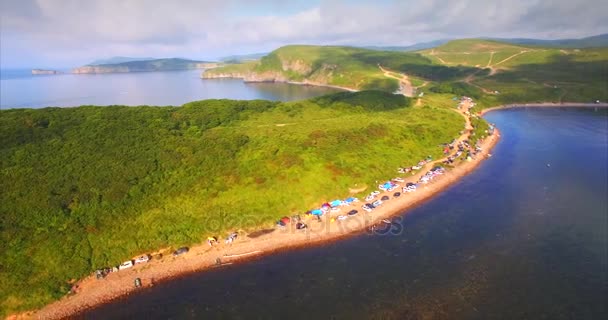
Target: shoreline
300	83
545	105
314	84
92	292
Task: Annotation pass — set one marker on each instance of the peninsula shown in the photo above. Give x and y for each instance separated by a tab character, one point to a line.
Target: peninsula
145	66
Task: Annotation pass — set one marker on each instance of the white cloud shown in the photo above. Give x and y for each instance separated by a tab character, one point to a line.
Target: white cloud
87	29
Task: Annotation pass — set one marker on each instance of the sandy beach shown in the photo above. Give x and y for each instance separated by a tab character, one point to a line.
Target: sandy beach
92	292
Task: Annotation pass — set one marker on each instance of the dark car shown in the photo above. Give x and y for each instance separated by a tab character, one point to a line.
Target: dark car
396	194
180	251
385	198
353	212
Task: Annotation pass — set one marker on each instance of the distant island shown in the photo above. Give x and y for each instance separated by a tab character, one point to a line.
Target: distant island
145	66
45	72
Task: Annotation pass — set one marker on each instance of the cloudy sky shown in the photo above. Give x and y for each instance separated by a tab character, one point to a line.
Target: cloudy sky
66	33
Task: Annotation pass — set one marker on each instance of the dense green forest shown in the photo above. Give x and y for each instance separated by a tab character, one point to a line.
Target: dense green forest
89	187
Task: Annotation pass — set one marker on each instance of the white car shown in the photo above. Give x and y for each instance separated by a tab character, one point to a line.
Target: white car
369	198
142	259
366	208
398	180
377	203
375	193
125	265
342	217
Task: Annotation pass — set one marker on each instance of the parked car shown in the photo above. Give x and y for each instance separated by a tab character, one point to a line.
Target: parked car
142	259
366	207
125	265
398	180
377	203
181	251
375	193
342	217
369	198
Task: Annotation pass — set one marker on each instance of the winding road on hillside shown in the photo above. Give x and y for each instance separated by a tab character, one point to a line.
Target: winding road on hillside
405	85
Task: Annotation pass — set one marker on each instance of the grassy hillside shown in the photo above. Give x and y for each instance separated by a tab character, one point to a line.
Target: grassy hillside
344	66
88	187
490	71
509	73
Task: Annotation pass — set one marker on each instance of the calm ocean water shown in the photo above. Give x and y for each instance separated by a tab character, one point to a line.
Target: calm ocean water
523	237
20	89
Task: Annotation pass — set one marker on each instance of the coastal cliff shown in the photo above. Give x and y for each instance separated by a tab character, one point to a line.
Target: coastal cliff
313	65
45	72
270	76
145	66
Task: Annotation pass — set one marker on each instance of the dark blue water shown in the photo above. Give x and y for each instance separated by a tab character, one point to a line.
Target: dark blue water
523	237
20	89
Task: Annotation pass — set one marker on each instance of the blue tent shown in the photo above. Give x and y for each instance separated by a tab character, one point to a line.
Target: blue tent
388	185
336	203
317	212
349	200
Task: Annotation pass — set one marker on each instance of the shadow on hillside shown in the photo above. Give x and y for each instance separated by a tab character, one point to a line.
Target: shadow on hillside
372	100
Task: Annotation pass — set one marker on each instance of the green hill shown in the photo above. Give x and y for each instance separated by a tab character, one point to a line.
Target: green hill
89	187
598	41
508	73
350	67
115	60
144	66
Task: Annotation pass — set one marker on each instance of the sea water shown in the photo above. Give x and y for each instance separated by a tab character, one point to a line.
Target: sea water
20	89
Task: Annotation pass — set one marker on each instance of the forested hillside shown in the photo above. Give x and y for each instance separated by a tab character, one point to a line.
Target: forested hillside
89	187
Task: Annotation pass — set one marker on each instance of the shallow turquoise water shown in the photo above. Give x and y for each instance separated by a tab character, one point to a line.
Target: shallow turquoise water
523	237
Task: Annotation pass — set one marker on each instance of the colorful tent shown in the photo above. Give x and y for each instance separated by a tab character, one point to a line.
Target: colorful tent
349	200
336	203
317	212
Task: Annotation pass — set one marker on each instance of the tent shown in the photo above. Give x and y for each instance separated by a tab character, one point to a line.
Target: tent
387	185
349	200
317	212
285	220
336	203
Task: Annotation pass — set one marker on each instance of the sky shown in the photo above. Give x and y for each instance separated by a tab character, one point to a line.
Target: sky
70	33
